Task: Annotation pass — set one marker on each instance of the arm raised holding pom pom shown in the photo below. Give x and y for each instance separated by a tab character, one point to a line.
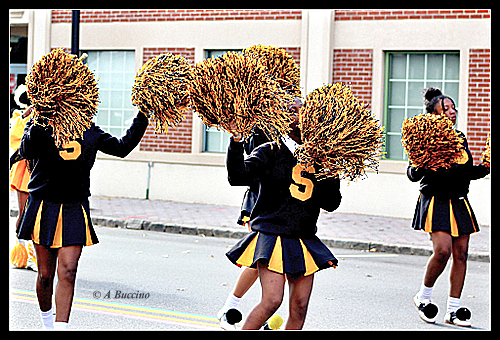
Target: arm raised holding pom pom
62	142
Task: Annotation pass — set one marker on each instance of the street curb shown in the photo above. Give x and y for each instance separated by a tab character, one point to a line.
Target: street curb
367	246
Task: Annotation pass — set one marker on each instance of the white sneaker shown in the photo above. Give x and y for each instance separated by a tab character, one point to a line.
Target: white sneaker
426	309
459	318
228	319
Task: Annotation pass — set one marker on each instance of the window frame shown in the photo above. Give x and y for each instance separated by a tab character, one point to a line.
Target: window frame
407	80
224	136
124	90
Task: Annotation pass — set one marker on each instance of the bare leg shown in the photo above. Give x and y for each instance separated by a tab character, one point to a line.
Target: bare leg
300	291
458	265
47	259
22	197
273	285
66	274
245	281
442	244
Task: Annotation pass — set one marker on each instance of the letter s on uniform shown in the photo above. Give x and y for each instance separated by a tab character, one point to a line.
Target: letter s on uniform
70	155
298	179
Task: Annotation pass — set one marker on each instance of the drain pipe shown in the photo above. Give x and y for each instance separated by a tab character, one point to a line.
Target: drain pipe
150	165
75	33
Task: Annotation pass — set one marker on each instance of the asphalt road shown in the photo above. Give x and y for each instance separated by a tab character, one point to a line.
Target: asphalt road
152	280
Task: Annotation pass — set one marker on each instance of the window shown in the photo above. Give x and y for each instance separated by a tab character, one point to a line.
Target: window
215	140
18	54
407	75
116	73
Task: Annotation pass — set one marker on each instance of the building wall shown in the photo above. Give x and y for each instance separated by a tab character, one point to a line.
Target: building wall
359	33
354	66
348	15
468	29
64	16
479	94
177	139
329	45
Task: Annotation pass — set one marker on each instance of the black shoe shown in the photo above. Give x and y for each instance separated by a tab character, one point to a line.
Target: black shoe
426	309
459	318
229	319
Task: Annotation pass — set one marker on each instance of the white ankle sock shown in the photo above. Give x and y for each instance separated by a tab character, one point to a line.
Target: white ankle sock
425	292
47	319
60	325
453	304
232	302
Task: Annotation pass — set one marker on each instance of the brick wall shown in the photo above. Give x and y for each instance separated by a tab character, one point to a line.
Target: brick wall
64	16
294	53
176	139
354	67
150	52
479	103
412	14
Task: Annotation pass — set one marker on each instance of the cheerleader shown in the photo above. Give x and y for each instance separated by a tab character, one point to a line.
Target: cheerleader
282	245
444	211
23	255
249	275
19	174
57	213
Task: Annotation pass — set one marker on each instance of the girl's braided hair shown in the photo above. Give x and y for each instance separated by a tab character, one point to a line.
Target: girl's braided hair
432	96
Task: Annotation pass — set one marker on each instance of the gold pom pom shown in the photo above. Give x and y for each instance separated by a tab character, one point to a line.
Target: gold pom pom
19	256
161	90
238	88
64	90
280	65
340	135
431	142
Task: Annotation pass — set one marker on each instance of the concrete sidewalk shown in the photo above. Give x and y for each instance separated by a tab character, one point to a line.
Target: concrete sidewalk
355	231
365	232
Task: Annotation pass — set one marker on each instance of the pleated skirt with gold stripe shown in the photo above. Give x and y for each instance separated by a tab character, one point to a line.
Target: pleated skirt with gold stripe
283	255
451	215
19	176
57	225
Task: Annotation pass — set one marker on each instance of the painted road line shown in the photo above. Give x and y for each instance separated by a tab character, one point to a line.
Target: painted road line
128	316
130	311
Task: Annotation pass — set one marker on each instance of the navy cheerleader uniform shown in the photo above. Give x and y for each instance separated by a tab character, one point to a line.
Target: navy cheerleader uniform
283	221
257	138
57	212
443	204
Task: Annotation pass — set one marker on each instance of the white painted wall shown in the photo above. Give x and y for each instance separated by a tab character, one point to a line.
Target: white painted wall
316	49
226	34
175	182
383	194
395	195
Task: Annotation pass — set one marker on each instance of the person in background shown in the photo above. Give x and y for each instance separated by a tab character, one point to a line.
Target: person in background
444	211
20	176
